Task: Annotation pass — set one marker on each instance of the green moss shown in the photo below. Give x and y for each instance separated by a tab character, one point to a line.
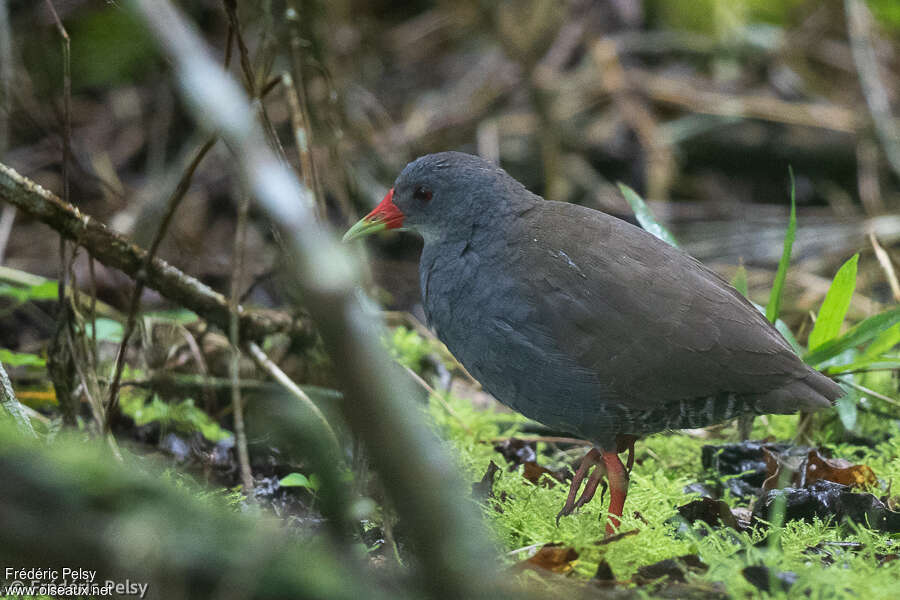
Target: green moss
665	464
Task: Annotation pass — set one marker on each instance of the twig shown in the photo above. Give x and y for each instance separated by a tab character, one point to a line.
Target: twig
115	251
299	105
234	25
275	372
439	397
685	95
12	406
453	553
237	407
869	392
635	112
886	265
874	90
141	275
302	139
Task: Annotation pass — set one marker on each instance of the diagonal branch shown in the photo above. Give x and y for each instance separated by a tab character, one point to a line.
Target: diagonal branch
115	251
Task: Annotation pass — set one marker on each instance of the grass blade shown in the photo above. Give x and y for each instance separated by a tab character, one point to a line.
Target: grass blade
740	281
858	334
645	216
885	341
774	305
834	307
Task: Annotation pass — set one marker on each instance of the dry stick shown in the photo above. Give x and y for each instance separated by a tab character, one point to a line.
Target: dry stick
453	554
886	265
660	161
876	94
234	25
237	407
679	93
439	397
297	101
141	276
274	371
870	392
118	252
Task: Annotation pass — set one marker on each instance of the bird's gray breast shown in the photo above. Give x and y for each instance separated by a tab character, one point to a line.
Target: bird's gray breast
485	314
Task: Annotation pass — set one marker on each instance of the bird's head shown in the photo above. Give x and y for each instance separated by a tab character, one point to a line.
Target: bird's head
437	193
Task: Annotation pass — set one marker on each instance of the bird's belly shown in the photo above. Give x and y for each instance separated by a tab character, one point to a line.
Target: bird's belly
487	333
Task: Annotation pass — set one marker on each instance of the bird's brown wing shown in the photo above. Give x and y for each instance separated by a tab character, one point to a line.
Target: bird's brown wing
646	319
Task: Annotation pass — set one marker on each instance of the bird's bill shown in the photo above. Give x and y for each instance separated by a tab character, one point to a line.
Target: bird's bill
384	216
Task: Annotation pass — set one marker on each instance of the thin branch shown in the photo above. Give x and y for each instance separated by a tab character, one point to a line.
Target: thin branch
115	251
237	406
299	105
141	276
886	265
869	392
275	372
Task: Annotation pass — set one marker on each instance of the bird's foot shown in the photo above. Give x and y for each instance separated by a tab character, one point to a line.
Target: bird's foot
591	459
605	464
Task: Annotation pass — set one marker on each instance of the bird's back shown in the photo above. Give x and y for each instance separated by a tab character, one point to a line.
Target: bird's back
590	324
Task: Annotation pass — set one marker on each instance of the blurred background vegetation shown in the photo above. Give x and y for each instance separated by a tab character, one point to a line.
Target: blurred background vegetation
699	105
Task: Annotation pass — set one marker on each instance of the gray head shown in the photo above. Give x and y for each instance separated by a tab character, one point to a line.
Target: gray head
439	194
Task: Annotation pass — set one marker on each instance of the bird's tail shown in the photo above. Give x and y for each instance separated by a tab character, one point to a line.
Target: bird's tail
814	392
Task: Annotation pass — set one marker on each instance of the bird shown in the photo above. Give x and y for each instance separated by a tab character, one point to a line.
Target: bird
584	322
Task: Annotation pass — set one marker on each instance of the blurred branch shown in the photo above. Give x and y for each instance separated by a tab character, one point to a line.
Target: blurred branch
679	93
115	251
876	94
11	404
422	482
125	523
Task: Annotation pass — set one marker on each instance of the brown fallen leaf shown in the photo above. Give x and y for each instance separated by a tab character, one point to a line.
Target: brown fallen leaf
838	470
554	557
534	473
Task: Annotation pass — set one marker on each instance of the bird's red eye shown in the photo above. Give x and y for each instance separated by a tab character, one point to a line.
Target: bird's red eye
422	194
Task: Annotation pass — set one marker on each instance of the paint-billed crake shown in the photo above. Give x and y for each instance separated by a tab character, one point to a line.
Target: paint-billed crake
582	321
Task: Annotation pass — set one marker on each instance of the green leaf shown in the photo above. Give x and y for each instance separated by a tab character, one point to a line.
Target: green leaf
645	217
300	480
885	341
865	365
179	315
108	330
49	290
859	334
740	281
774	305
834	307
846	409
21	359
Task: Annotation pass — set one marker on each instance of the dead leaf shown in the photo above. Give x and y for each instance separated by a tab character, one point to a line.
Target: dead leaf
534	473
838	470
555	558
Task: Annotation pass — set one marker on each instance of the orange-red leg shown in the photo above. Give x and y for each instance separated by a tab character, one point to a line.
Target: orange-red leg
618	488
604	463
